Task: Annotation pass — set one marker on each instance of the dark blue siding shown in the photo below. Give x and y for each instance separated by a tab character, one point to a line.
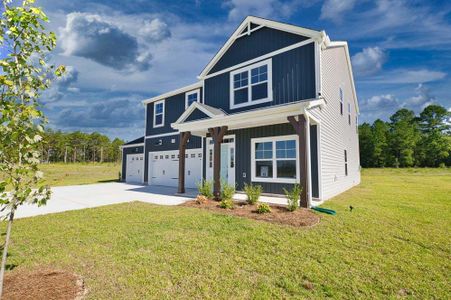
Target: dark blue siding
196	115
152	145
293	75
125	152
174	108
260	42
243	154
314	160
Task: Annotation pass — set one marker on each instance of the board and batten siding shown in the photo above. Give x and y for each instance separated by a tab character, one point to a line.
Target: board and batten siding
336	134
293	79
125	152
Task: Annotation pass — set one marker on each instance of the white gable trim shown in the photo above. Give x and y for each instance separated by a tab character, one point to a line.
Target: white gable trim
192	108
174	92
262	22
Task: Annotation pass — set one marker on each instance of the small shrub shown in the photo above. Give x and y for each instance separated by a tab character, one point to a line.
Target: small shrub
253	192
442	165
227	191
205	188
293	197
201	199
263	208
120	176
226	204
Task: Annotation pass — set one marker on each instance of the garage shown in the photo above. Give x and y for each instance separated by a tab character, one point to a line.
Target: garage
135	168
164	168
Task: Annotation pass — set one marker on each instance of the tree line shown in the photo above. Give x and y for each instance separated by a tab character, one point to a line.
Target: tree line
408	140
78	146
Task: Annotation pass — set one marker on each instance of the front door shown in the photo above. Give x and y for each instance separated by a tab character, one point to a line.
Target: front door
227	172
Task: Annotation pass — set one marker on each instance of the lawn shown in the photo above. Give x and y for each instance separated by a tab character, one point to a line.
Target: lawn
395	242
79	173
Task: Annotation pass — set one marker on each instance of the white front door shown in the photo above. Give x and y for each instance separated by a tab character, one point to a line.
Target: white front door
134	168
227	172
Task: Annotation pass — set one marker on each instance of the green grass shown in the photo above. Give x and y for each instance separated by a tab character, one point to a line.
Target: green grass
56	174
396	238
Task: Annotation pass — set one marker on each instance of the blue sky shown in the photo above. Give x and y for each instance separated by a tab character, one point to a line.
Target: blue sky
121	52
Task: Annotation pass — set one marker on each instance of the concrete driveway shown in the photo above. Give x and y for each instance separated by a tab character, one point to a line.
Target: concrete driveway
74	197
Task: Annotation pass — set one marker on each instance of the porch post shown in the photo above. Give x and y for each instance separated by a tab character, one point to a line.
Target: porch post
301	130
217	134
184	136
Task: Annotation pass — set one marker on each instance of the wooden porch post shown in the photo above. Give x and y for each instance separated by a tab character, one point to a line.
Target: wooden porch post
300	126
184	136
217	134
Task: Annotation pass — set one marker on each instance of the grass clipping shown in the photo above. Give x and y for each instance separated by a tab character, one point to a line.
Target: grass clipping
43	284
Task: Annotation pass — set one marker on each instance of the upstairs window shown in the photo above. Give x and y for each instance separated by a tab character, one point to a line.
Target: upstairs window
251	85
341	101
349	113
158	114
346	163
190	97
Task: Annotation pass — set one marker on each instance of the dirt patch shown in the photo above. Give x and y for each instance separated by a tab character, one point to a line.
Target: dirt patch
43	284
279	214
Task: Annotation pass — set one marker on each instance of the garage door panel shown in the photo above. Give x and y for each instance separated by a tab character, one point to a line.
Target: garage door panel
164	166
134	168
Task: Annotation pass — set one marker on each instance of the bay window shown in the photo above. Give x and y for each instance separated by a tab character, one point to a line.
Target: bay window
251	85
274	159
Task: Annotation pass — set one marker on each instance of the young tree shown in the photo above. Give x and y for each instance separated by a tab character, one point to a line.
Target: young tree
366	145
403	137
25	75
380	133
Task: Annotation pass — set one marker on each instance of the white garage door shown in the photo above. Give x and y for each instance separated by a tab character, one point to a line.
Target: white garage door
135	168
164	168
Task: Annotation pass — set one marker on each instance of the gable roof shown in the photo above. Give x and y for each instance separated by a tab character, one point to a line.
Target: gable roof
174	92
135	142
206	109
251	24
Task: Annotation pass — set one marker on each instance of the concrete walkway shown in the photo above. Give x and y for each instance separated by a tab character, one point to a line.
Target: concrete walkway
74	197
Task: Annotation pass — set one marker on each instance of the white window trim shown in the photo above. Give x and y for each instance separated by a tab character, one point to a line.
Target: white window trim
274	179
154	114
190	93
249	95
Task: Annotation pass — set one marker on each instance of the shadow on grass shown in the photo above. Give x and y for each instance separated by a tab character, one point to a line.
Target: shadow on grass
108	180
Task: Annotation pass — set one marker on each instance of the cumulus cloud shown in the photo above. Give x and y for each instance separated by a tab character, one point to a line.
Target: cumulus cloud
422	98
239	9
334	10
62	85
369	61
94	37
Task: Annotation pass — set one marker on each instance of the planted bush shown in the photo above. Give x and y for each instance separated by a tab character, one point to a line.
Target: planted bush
293	196
226	203
253	192
227	191
263	208
205	188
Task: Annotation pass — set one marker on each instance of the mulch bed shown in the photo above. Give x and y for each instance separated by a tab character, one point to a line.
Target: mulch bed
301	217
43	284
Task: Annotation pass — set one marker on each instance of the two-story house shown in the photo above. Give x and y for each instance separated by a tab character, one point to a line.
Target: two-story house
275	106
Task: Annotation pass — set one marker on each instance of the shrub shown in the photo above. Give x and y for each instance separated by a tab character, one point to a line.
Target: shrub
293	197
201	199
263	208
226	203
205	188
120	176
227	191
442	165
253	192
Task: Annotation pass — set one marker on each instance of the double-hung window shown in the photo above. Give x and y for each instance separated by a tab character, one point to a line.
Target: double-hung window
341	101
349	113
275	159
158	114
191	97
346	163
251	85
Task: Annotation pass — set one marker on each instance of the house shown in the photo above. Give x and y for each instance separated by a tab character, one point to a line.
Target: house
275	106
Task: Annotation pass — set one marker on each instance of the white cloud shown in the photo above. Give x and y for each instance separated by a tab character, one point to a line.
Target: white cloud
369	61
422	99
334	9
155	30
405	76
239	9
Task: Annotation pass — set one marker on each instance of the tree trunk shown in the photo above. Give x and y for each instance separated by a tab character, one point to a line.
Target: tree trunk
101	154
65	155
5	250
75	155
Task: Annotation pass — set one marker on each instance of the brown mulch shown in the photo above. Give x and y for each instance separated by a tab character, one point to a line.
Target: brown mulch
301	217
43	284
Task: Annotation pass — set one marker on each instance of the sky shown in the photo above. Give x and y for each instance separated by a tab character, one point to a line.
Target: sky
119	53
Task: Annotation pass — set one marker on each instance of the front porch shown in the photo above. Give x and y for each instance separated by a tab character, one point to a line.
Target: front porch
269	147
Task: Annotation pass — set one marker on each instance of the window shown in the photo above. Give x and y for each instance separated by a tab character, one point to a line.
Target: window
190	97
251	85
341	101
275	159
346	163
158	114
349	113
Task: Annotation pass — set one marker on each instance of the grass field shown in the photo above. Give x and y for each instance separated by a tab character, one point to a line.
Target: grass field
70	174
395	243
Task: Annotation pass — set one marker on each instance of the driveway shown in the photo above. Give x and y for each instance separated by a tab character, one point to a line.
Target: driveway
74	197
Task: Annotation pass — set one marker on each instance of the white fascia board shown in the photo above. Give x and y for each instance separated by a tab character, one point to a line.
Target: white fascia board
258	117
191	108
174	92
132	145
262	22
